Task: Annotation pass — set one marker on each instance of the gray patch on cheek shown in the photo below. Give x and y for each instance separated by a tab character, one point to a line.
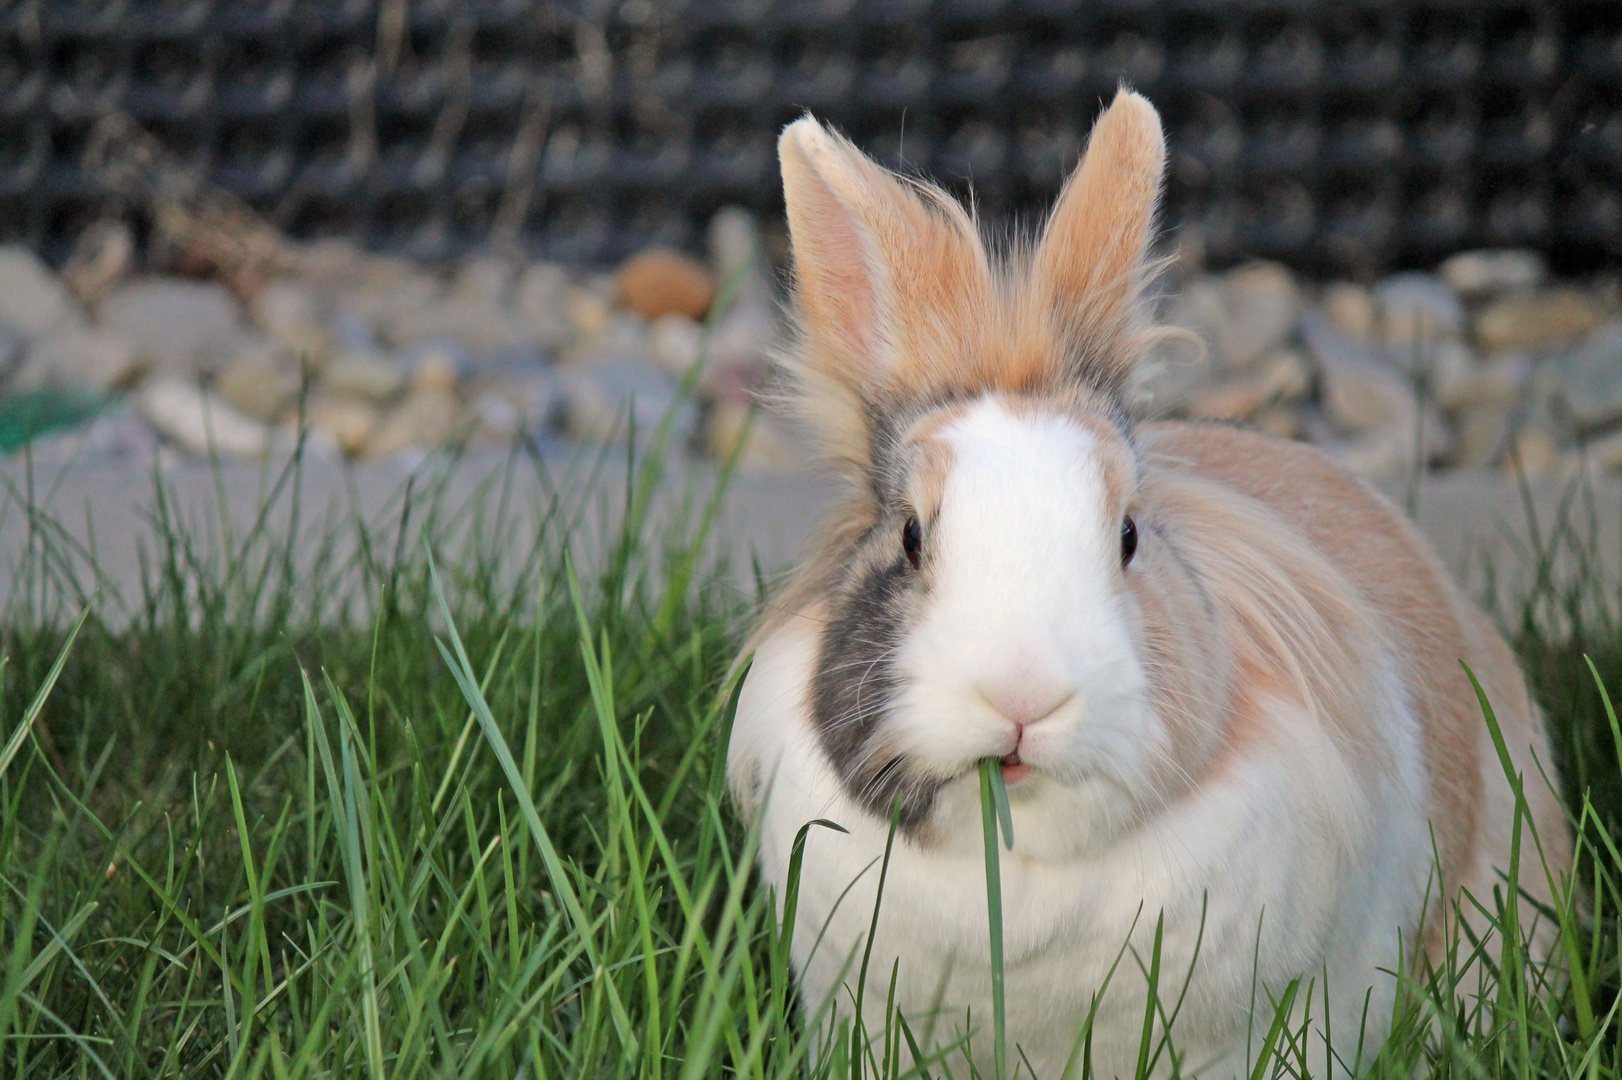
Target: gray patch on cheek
854	689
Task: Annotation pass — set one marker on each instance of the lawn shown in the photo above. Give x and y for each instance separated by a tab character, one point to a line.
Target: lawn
362	811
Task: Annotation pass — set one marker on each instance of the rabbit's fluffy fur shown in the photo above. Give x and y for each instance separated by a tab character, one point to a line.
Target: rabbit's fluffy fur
1257	727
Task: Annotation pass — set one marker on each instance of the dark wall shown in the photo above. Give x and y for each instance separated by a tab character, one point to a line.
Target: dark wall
1347	136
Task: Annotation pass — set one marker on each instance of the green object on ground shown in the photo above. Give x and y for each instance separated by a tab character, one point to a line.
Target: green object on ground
27	415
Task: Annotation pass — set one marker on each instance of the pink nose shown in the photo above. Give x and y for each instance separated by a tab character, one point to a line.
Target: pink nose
1026	702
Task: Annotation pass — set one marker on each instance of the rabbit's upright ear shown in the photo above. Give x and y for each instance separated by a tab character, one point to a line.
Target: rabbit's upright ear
1092	261
884	269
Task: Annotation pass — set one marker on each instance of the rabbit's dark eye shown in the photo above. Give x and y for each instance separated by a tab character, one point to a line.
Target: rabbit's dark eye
1129	540
912	540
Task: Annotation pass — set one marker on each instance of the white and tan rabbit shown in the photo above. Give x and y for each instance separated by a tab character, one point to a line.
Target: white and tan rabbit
1222	675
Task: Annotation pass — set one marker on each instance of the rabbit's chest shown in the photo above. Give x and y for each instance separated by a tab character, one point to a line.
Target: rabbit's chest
1282	866
1071	933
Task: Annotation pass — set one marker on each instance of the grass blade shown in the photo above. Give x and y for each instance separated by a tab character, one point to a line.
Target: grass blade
999	796
37	705
988	821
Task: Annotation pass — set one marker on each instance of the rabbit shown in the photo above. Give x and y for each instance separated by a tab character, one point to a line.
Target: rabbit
1222	676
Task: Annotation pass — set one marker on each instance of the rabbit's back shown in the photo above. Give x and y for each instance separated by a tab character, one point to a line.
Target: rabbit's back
1431	626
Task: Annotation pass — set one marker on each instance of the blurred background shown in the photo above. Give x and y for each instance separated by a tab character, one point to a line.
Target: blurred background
390	227
1339	136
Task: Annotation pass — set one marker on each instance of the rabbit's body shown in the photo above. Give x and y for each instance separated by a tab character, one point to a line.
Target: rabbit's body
1223	676
1299	850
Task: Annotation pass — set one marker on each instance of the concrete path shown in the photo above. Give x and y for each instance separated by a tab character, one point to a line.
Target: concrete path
106	512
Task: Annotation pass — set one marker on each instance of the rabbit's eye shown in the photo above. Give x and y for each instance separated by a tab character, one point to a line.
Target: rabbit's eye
1129	540
912	540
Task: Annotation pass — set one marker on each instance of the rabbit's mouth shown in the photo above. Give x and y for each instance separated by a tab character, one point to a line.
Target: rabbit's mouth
1013	768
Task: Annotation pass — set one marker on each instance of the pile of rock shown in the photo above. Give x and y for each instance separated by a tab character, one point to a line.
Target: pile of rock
375	356
1484	363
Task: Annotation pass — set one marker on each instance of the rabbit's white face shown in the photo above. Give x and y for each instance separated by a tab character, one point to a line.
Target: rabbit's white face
1024	645
1011	637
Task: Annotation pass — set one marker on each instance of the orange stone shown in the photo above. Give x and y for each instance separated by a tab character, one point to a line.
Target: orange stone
660	281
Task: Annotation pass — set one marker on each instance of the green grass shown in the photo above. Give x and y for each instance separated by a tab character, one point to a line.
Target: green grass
363	809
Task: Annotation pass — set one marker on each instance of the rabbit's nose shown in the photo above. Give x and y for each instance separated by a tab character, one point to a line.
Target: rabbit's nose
1027	701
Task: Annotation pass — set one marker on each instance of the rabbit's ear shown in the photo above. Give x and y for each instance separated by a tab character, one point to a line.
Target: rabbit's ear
883	267
1091	264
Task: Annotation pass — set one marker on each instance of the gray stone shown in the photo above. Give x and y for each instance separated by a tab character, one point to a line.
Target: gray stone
1261	304
288	304
451	360
520	401
184	326
435	371
118	431
1488	271
293	312
1591	375
1369	399
1451	373
373	376
481	326
1350	309
426	420
31	298
541	305
347	421
1483	433
590	307
199	421
485	280
1361	391
1415	311
1176	372
1241	317
353	332
673	342
82	357
399	305
1198	309
261	381
623	336
102	256
473	311
1536	320
741	341
738	257
600	398
1483	420
13	351
1279	379
334	262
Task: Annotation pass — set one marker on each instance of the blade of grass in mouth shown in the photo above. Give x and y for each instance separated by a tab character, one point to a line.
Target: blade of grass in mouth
994	802
999	796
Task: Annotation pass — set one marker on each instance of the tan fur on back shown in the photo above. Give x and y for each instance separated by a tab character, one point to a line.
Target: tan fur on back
1429	625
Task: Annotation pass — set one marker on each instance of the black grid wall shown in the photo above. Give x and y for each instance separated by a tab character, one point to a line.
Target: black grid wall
1335	134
